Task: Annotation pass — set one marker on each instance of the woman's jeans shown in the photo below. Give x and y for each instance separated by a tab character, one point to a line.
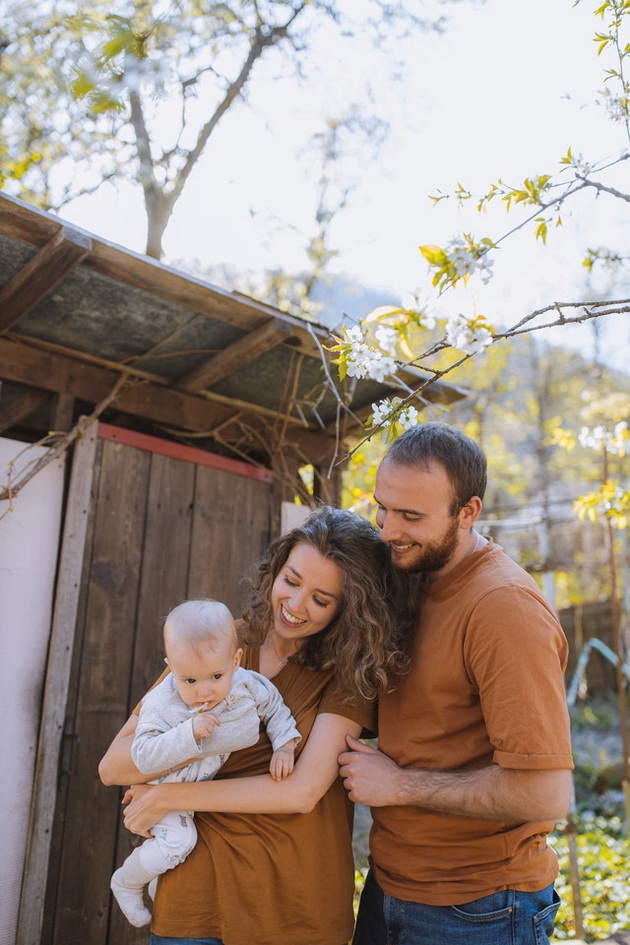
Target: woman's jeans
504	918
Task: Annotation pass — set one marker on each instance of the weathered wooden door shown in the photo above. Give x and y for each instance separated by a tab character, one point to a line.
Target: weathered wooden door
160	530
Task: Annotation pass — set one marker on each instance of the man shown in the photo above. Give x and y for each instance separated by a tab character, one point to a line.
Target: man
474	757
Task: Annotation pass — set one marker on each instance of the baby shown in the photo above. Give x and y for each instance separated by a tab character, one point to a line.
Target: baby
204	709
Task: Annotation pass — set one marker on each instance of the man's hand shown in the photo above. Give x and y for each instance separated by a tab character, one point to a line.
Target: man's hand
369	776
204	724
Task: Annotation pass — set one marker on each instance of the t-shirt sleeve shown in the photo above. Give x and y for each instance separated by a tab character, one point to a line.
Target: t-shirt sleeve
516	655
337	700
138	706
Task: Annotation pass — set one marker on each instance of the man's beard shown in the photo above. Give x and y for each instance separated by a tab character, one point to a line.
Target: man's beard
435	555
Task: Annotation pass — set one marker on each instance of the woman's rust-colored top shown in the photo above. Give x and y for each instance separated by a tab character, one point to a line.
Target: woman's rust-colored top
258	879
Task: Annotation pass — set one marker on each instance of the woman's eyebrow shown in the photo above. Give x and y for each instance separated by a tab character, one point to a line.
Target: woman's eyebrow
317	589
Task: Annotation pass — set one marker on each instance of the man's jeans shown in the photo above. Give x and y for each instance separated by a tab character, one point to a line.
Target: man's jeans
504	918
166	940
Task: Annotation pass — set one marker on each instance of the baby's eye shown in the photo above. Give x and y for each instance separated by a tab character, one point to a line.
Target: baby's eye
190	681
217	676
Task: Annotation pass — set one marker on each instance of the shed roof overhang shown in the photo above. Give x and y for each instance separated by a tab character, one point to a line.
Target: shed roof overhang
198	364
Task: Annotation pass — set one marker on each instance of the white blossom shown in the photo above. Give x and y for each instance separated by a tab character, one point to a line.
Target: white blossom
427	321
462	334
485	265
354	335
387	338
461	257
408	417
363	361
598	438
380	412
384	411
468	260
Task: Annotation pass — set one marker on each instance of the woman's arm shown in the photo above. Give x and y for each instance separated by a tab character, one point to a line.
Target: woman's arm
116	766
314	772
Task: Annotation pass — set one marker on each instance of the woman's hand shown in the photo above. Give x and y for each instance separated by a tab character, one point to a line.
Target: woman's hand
143	808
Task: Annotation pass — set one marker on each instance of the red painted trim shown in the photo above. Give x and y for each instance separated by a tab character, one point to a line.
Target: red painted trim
189	454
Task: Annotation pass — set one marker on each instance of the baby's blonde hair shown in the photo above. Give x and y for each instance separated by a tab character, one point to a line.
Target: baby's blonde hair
199	622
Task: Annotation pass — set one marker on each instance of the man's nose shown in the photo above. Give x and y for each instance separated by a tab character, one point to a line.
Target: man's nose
387	525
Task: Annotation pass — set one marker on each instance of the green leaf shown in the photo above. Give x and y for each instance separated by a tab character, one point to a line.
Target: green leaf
82	85
541	230
434	255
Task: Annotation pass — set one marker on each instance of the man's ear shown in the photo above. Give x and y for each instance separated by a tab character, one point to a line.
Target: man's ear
470	512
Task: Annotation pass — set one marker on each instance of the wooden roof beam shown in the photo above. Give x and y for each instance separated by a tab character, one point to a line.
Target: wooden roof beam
23	364
246	349
46	269
22	407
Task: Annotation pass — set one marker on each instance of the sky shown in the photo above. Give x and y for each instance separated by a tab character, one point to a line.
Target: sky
501	94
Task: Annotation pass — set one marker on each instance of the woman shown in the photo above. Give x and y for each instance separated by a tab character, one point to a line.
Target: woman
321	627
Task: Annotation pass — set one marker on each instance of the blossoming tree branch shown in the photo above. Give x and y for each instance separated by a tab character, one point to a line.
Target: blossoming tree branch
389	338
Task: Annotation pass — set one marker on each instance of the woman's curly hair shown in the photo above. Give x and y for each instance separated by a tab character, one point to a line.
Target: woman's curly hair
366	642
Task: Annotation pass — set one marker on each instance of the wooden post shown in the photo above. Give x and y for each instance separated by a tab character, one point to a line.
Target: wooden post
56	691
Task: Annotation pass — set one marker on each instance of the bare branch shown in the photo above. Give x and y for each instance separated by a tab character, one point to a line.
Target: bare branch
60	442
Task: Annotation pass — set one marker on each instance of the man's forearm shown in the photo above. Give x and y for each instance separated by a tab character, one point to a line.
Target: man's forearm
492	793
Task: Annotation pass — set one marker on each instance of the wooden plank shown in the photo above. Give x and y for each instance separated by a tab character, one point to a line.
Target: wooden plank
57	842
231	527
165	556
162	585
246	349
46	269
92	811
63	413
56	691
22	407
180	451
26	223
25	365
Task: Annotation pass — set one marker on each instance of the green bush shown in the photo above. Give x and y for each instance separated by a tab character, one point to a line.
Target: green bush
603	862
603	856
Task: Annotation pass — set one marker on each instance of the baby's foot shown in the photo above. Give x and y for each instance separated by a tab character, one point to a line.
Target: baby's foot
130	901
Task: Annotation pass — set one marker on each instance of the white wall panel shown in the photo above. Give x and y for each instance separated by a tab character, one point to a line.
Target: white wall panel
29	542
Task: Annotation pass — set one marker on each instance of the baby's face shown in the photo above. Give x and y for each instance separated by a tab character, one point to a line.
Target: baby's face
203	674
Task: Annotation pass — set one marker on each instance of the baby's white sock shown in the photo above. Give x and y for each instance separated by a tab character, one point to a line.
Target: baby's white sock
127	884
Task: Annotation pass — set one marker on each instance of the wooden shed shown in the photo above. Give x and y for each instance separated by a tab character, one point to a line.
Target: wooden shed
182	415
